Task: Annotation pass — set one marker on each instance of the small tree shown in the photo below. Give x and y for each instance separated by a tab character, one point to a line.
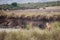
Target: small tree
14	4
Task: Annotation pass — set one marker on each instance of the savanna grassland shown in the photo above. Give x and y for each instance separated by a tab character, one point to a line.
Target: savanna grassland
24	24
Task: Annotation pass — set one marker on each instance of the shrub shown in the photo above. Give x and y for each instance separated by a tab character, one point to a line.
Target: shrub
56	25
27	27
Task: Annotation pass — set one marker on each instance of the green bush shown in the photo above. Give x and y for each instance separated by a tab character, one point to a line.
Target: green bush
56	25
27	27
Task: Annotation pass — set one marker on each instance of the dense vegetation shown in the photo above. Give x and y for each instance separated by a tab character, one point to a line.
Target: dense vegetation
14	21
32	34
25	31
29	5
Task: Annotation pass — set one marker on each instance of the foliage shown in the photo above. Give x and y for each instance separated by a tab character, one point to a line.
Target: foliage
37	5
56	24
14	4
27	26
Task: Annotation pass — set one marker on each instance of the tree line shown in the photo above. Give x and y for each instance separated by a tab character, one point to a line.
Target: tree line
15	6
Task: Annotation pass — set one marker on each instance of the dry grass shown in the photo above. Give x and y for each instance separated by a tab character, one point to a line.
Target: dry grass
26	14
32	34
29	13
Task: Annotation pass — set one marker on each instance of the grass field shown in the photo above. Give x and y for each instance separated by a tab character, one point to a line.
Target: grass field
30	12
31	33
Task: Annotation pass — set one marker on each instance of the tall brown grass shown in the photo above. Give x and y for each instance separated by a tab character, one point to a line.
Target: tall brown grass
31	34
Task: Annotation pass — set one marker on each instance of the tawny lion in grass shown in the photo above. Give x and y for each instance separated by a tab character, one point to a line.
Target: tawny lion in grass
48	26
